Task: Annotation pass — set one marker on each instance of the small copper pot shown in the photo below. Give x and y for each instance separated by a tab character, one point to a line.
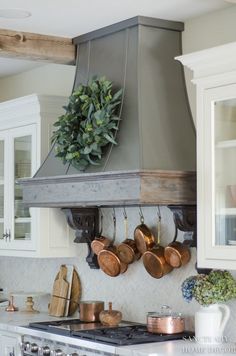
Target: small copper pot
128	252
100	242
110	263
155	263
165	322
177	254
89	310
143	238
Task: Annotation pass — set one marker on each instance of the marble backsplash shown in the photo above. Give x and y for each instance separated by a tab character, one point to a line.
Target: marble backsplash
134	293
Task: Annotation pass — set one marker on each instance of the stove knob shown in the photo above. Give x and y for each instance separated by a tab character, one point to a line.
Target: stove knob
45	350
58	352
34	347
27	346
73	354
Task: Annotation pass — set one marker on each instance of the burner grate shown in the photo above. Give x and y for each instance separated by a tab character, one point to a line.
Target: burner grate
129	335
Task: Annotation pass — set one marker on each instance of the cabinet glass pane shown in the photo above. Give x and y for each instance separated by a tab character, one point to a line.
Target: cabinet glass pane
1	188
22	156
225	172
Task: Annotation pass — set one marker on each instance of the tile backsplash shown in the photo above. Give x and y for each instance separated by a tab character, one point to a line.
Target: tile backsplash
134	293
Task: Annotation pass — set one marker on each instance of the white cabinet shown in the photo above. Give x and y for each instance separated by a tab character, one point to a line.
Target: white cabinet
26	125
214	73
10	344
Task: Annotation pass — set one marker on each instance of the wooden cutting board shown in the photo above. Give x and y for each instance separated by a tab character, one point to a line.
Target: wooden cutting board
75	293
59	293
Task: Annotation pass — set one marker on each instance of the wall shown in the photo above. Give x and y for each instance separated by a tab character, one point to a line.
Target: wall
50	79
203	32
135	292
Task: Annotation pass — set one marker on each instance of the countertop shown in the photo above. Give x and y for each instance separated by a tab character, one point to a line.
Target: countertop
14	322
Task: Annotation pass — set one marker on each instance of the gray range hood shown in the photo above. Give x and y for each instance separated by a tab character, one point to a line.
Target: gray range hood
154	161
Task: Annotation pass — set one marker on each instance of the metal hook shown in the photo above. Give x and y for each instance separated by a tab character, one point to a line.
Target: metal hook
141	215
158	225
125	213
114	226
101	222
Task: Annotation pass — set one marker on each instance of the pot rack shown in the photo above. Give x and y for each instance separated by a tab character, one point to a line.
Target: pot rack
85	222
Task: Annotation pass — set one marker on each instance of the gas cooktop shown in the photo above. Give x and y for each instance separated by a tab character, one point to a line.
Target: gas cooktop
127	333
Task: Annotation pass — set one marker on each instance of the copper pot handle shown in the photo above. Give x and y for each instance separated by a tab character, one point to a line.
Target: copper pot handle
158	226
101	223
126	224
114	227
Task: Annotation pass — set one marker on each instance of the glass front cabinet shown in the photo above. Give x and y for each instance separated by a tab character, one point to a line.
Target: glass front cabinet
26	126
214	74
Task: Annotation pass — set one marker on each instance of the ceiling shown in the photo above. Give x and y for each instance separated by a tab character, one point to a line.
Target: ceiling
70	18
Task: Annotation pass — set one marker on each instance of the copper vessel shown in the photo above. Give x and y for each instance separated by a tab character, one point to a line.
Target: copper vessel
100	242
165	322
177	254
110	263
155	263
89	310
128	252
143	238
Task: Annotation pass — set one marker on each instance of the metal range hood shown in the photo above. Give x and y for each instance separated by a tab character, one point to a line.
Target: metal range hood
154	161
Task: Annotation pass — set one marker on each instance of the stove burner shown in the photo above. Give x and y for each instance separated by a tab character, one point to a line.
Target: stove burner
127	333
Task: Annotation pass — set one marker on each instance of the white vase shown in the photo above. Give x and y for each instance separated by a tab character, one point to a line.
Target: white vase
210	322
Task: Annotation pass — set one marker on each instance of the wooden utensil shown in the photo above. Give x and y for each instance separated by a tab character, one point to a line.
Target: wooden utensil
59	294
69	277
110	317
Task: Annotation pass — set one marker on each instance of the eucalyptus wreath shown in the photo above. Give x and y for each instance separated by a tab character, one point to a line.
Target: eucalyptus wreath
89	124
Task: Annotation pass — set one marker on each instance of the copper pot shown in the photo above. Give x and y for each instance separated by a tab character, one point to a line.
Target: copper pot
89	310
100	242
155	263
128	252
177	254
110	263
165	322
143	237
108	258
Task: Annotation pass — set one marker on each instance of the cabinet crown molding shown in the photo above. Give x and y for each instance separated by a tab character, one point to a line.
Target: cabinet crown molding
211	62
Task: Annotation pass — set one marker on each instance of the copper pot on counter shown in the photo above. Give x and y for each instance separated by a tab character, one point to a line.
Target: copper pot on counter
165	322
89	310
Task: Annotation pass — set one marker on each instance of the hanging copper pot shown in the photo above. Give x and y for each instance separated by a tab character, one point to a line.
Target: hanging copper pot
143	236
154	260
177	254
108	258
127	250
100	242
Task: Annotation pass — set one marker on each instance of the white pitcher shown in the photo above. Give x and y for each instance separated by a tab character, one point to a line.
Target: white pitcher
210	322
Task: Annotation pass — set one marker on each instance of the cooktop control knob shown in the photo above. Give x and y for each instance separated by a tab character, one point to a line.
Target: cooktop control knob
73	354
45	351
34	347
58	352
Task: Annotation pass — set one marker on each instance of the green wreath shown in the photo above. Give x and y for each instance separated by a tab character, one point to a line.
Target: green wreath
88	125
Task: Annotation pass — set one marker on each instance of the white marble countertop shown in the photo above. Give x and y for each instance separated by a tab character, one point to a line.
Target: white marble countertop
14	322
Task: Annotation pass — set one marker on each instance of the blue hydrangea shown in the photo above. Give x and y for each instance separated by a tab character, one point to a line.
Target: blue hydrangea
187	288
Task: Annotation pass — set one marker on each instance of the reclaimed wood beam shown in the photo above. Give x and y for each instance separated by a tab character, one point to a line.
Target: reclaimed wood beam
32	46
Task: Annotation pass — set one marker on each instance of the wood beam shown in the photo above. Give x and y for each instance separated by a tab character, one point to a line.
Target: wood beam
32	46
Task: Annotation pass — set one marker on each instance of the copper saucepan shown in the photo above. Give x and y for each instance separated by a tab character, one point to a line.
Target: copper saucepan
89	310
165	322
127	250
143	236
100	242
154	260
177	254
108	258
